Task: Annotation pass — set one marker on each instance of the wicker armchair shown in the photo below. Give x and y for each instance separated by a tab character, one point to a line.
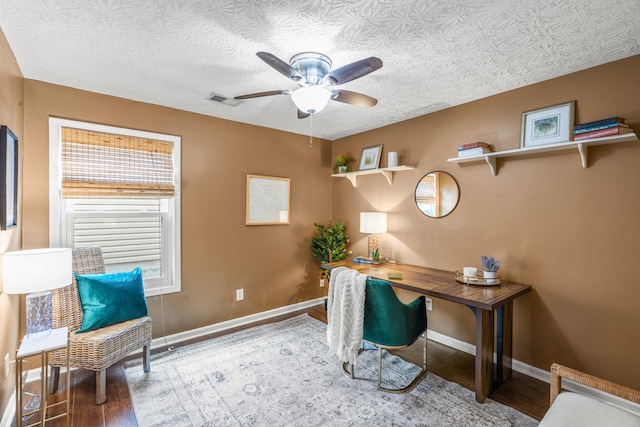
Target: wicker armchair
99	349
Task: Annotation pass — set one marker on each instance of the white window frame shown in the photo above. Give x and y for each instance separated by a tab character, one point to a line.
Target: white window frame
61	234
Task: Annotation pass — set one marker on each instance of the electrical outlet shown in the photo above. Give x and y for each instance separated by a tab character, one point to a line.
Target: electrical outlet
322	283
429	304
6	365
239	294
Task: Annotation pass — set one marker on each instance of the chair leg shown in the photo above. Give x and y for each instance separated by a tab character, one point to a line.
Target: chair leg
146	357
424	352
415	380
345	366
379	368
348	372
54	378
101	386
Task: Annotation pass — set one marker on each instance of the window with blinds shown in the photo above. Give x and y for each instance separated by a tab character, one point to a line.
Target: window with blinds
118	189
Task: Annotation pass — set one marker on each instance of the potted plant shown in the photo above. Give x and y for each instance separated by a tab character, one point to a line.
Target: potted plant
342	163
329	244
490	267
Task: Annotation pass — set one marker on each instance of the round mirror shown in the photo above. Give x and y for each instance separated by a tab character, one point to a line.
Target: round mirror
437	194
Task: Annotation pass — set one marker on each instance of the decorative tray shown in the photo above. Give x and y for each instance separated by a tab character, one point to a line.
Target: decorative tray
478	280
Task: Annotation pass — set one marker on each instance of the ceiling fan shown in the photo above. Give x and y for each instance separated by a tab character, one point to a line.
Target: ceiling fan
312	72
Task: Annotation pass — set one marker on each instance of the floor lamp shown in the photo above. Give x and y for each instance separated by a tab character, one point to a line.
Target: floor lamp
36	272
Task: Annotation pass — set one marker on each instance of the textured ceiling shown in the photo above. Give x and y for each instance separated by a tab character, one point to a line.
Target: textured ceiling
436	54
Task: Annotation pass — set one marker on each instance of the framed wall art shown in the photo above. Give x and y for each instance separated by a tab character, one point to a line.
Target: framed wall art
370	157
268	200
550	125
8	179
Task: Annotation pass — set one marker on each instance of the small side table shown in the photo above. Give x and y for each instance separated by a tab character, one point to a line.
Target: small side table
58	339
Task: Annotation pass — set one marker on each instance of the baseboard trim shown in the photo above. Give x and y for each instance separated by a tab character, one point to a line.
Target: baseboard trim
9	414
173	339
539	374
465	347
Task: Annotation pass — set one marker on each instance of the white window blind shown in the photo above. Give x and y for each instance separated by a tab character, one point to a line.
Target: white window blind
129	231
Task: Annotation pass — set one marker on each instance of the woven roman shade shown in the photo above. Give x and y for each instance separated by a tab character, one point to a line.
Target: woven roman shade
97	164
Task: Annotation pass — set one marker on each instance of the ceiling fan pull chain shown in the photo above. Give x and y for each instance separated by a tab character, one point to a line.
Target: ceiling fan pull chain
311	132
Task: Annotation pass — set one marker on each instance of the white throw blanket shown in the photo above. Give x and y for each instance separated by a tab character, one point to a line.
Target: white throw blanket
345	312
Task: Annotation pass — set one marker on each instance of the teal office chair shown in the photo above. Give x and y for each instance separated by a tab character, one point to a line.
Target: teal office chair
390	324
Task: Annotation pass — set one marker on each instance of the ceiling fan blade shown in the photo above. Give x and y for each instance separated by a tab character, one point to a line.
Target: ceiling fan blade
302	114
353	71
280	66
261	94
354	98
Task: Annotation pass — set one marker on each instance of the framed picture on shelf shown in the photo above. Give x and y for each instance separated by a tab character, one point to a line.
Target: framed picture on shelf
370	157
8	179
550	125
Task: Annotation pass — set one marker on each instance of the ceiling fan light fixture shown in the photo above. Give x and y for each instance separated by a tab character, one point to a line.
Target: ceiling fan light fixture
311	99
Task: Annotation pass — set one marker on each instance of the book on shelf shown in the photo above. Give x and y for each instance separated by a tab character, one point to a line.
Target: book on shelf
473	145
601	133
598	127
610	120
473	152
369	260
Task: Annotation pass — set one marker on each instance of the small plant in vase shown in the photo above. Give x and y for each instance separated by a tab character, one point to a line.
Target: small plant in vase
490	266
342	163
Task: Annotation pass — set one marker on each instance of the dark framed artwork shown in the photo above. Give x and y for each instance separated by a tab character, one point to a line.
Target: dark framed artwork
8	179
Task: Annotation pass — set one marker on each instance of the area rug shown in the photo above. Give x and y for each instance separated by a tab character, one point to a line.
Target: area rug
283	374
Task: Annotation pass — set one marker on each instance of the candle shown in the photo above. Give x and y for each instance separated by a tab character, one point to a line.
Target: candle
393	159
470	271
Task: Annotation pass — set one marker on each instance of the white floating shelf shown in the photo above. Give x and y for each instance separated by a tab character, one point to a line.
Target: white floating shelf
387	172
581	146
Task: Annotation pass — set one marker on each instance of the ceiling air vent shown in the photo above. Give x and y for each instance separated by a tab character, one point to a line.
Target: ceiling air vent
216	97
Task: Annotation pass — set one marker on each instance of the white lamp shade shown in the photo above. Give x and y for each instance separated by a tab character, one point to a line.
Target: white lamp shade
36	270
373	222
311	99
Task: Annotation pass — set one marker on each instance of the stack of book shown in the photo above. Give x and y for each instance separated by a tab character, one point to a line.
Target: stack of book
369	260
473	149
601	128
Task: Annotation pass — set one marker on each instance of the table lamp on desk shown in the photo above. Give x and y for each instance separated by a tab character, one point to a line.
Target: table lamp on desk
373	223
36	272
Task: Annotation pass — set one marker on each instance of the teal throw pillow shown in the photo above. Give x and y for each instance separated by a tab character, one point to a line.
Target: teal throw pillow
108	299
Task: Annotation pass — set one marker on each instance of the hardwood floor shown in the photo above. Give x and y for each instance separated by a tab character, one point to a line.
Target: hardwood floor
524	393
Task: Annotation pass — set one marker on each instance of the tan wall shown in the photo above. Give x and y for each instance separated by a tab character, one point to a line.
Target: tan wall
219	253
11	115
571	233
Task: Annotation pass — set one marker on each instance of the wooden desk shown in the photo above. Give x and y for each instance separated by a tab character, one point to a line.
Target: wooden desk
482	300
